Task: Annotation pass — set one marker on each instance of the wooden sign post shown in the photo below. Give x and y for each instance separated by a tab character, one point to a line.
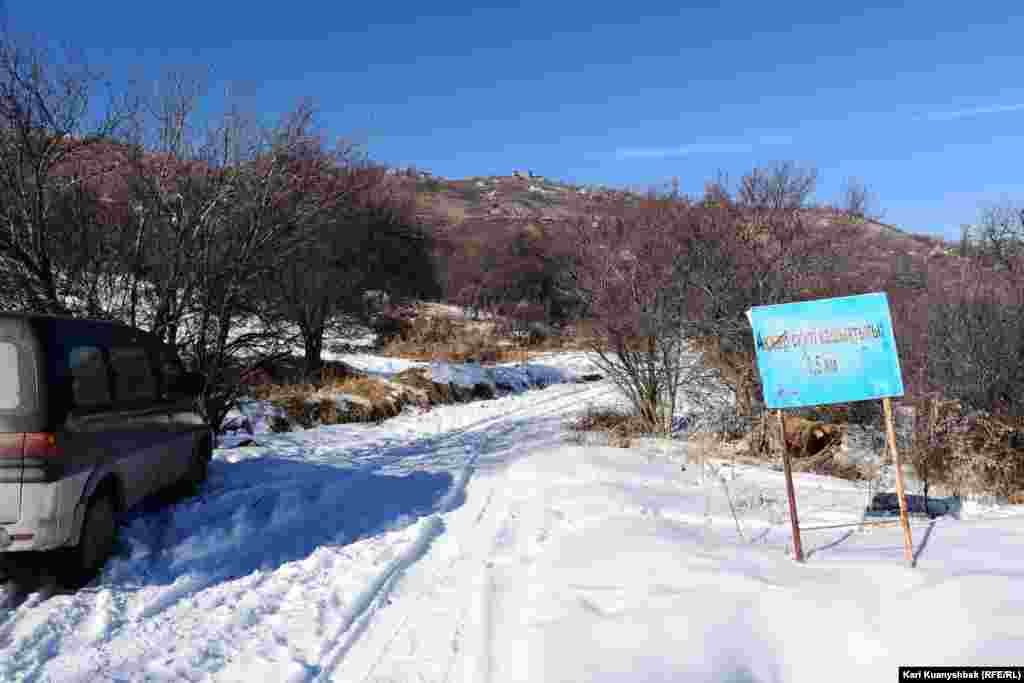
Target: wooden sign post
798	550
890	432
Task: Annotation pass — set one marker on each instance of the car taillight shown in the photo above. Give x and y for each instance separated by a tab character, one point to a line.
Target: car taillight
41	445
11	445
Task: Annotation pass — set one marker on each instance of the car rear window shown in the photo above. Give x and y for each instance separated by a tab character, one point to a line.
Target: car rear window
133	374
10	377
90	385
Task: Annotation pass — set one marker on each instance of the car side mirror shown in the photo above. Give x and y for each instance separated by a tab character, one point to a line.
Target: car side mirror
189	384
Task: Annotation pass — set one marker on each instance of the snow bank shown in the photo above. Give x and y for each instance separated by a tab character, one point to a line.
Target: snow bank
257	417
461	375
377	365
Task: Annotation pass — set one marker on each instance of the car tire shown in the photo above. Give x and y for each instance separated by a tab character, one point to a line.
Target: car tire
96	542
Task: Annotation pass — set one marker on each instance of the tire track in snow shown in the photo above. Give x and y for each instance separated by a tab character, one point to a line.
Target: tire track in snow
411	620
477	666
435	442
409	614
367	602
478	669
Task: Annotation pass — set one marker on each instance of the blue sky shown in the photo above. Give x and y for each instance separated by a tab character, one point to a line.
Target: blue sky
924	101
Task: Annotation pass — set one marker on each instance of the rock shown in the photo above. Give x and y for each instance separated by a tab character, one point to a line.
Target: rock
889	503
238	424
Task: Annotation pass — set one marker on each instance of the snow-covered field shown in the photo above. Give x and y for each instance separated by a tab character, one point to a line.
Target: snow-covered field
472	543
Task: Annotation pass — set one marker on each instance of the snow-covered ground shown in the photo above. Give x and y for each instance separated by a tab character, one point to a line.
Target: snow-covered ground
472	543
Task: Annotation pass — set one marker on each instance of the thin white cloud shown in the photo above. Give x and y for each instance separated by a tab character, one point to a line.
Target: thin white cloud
976	111
716	147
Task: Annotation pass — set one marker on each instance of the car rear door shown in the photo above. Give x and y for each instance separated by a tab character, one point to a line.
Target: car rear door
186	425
92	432
143	417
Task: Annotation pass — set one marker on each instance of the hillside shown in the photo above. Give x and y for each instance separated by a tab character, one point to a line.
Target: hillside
876	252
526	197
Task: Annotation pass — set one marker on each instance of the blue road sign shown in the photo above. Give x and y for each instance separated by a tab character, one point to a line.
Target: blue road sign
826	351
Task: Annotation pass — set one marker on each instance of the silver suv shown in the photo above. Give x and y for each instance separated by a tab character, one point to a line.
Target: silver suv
94	416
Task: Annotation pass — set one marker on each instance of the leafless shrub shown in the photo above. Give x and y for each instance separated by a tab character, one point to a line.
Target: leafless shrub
931	452
858	201
669	277
975	452
976	350
620	426
779	187
1000	236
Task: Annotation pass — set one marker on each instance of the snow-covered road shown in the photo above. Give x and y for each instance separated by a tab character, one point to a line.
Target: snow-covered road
276	570
471	543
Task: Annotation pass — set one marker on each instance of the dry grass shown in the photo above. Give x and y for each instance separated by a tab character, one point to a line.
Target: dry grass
362	398
456	215
418	379
620	426
437	336
806	437
306	405
838	467
438	393
702	446
434	334
372	389
813	445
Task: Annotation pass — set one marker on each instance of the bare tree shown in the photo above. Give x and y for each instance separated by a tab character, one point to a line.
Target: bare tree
219	207
781	186
672	274
370	241
272	199
632	271
1001	235
53	137
178	191
858	201
717	192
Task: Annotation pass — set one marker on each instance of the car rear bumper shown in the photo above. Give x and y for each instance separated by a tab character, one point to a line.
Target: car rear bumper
44	525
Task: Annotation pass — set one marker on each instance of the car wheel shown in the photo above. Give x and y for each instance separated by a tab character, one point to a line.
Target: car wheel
99	533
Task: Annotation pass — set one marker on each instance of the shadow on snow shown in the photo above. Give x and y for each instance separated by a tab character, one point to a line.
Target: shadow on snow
254	515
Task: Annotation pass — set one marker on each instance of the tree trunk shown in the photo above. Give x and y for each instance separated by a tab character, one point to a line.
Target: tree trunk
313	343
744	391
